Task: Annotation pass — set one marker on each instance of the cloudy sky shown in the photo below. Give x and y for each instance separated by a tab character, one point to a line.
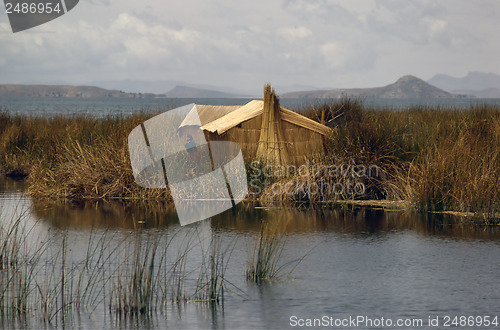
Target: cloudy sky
243	44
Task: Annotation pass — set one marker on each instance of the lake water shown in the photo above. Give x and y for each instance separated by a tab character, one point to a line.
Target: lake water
116	106
77	266
358	263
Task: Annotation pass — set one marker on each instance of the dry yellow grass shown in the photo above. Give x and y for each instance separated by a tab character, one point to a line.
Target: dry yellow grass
73	158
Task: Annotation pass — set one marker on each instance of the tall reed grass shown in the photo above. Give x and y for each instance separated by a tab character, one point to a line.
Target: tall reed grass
439	159
126	274
72	158
266	261
460	171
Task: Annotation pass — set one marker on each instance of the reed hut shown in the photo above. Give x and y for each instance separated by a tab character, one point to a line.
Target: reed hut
265	131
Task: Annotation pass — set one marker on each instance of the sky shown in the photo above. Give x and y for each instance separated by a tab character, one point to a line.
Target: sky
244	44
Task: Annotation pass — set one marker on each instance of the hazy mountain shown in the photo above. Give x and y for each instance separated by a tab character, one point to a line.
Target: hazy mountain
192	92
7	90
127	85
472	83
405	87
160	86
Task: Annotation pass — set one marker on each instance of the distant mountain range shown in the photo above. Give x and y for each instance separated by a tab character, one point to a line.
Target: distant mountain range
475	84
192	92
64	91
160	86
479	84
406	87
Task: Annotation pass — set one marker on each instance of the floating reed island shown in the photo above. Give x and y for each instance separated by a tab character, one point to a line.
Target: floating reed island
433	158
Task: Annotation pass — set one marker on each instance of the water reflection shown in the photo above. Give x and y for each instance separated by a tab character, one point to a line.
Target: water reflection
247	218
106	215
9	186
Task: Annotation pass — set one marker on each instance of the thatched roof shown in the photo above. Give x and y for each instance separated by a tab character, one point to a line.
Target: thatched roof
255	108
206	114
250	110
299	120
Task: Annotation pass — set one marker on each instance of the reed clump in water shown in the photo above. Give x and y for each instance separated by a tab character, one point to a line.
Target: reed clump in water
212	282
131	276
265	261
135	285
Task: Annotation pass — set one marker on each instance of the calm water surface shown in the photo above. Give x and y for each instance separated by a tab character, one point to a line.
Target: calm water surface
358	262
117	106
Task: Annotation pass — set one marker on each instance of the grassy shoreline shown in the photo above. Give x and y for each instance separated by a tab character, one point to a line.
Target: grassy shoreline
436	159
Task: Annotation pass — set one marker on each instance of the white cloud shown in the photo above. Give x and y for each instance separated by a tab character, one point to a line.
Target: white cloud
334	55
294	33
437	31
322	42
